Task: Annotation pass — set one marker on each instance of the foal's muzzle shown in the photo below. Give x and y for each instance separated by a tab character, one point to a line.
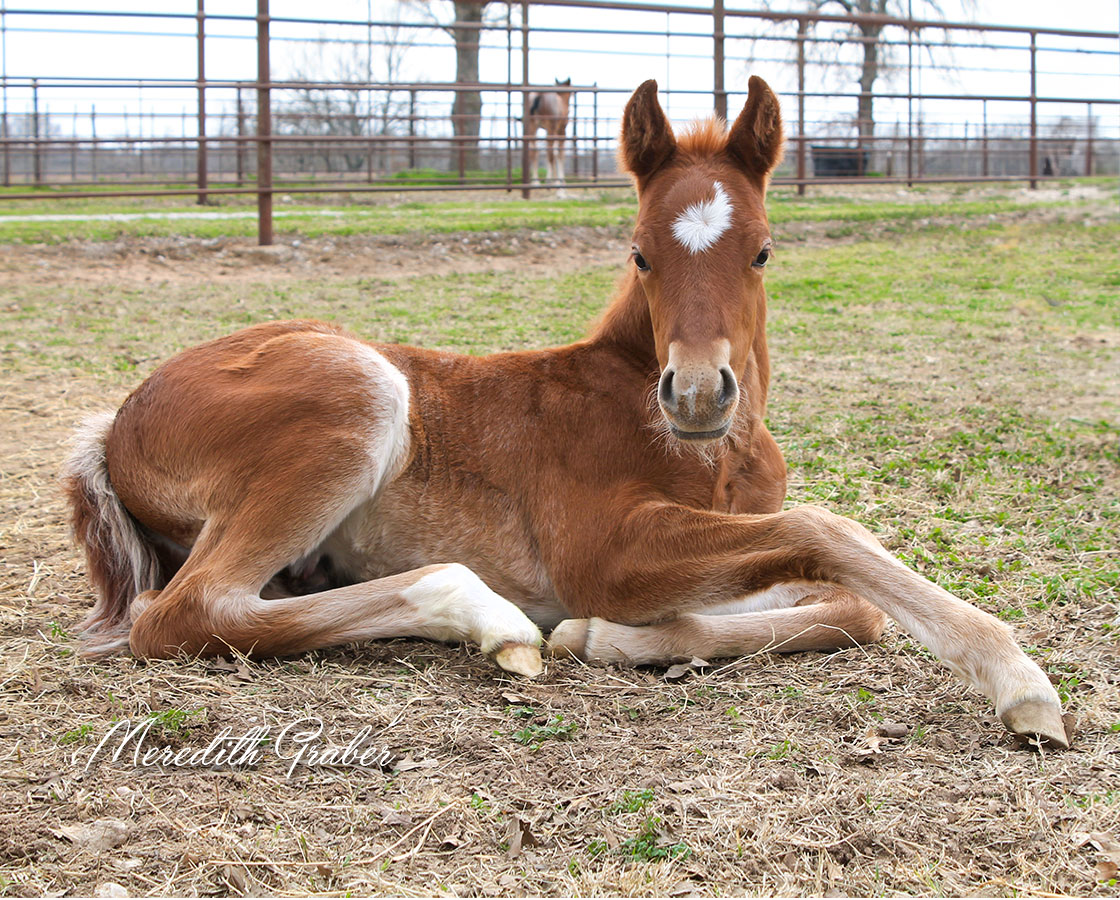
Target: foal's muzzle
698	402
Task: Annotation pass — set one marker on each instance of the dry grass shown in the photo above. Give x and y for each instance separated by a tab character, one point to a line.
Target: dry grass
869	771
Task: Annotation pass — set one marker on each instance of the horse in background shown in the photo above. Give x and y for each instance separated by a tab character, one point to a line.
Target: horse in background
549	110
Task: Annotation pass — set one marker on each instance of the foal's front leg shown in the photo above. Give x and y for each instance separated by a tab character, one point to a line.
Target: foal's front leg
671	560
557	154
787	618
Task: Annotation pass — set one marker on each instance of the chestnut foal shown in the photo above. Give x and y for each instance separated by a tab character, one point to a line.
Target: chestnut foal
291	486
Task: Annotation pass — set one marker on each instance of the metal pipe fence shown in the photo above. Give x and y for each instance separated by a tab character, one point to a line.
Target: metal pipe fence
311	114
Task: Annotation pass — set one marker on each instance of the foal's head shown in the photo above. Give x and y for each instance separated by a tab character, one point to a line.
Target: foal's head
700	247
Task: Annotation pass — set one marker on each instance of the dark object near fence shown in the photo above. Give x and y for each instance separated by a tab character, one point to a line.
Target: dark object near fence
833	162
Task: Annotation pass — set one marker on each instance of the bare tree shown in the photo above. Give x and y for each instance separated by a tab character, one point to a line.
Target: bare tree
351	111
389	113
464	20
327	113
866	31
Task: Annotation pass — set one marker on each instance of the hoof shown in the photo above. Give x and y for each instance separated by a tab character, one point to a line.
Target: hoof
521	659
1037	723
569	638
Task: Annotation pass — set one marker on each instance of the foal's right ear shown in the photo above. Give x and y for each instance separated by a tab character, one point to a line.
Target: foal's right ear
647	138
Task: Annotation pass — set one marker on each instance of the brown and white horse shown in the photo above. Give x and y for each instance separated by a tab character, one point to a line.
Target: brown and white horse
548	110
291	487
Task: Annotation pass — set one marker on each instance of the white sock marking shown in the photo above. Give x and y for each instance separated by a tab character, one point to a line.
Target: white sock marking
701	224
457	605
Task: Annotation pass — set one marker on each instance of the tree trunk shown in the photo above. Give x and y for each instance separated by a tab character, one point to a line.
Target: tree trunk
869	71
466	111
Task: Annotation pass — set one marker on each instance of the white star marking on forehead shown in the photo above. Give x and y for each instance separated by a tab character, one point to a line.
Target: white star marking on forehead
701	224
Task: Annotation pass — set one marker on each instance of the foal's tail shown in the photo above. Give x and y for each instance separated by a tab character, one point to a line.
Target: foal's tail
120	561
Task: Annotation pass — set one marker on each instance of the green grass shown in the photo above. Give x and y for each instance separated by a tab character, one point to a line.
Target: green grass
632	801
173	722
302	215
647	844
932	282
79	735
533	736
341	214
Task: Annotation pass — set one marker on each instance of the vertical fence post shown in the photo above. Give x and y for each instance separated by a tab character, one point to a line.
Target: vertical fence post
37	158
595	133
1034	112
4	75
909	102
525	138
74	146
575	134
412	129
239	152
264	129
7	151
202	171
140	135
93	141
984	141
717	59
509	96
461	156
1089	142
369	102
802	28
921	147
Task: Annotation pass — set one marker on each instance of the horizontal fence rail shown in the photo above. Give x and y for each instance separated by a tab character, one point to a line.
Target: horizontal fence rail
310	105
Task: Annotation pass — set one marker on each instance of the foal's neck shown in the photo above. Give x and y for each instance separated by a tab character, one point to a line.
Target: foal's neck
626	324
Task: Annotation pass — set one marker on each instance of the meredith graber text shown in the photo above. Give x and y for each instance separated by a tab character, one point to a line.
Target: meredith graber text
303	742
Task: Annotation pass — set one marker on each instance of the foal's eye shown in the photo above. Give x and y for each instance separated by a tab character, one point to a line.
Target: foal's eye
640	262
762	258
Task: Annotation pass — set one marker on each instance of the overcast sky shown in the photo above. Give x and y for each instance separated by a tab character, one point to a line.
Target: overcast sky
48	47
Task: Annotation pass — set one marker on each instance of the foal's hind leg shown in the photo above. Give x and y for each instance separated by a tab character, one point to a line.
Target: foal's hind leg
787	618
214	605
206	614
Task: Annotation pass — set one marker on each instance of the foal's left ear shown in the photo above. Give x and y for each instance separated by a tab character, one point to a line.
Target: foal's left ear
755	141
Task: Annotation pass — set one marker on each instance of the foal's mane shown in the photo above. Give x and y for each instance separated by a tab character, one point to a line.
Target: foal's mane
703	137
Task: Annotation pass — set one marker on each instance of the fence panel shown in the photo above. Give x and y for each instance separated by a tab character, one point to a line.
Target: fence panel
272	103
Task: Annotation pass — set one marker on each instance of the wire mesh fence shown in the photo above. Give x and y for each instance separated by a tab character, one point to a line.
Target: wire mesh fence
240	97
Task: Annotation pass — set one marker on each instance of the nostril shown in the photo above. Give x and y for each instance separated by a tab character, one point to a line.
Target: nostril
665	390
729	389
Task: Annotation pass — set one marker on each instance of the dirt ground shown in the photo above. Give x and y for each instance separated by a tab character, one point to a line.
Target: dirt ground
869	771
